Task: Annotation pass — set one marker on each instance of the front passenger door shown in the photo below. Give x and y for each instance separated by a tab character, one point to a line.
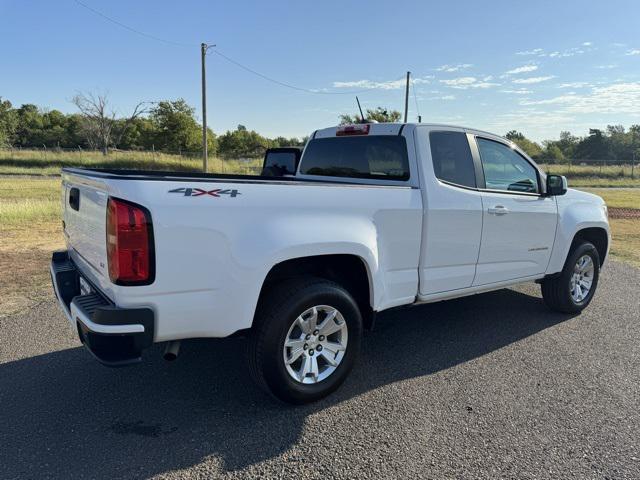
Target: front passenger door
518	222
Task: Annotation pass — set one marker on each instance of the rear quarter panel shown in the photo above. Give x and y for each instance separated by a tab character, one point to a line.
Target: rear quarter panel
214	252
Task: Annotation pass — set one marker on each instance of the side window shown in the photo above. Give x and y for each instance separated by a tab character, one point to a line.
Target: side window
506	169
452	160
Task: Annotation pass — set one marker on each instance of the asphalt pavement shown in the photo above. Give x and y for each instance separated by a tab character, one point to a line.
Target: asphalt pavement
489	386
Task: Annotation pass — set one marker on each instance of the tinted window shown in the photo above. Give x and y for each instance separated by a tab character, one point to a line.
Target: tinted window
506	169
381	157
283	161
452	161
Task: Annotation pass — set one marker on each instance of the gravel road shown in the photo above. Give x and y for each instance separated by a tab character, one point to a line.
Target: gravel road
490	386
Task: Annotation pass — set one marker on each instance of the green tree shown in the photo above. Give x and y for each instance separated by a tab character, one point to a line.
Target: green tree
288	142
529	147
567	144
140	135
243	143
595	146
8	123
553	153
379	114
29	127
620	143
514	135
176	129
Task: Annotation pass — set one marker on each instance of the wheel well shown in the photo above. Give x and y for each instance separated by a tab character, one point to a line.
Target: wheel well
349	271
597	236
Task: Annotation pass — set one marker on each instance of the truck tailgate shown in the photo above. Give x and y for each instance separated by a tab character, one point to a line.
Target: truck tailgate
85	209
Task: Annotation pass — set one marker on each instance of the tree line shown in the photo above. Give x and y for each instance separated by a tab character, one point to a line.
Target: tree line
171	126
615	143
168	126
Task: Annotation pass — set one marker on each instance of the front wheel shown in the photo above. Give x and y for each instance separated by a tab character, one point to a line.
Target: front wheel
305	340
573	289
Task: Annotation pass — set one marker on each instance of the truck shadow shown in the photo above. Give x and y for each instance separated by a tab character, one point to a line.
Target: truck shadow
63	415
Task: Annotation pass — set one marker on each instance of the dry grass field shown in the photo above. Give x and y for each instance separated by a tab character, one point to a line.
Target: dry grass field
49	162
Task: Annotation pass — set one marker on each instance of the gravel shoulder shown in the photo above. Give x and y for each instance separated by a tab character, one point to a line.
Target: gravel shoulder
489	386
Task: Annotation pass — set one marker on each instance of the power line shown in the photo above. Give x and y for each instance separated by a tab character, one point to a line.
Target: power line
220	54
278	82
131	29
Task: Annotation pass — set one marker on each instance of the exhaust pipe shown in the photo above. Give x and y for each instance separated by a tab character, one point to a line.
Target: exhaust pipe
171	351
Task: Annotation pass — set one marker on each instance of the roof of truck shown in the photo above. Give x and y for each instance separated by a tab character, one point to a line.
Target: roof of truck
394	128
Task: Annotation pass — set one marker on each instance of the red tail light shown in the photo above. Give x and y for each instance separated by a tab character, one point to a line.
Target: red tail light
362	129
129	243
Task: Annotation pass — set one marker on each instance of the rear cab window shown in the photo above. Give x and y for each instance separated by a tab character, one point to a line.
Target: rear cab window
378	157
452	159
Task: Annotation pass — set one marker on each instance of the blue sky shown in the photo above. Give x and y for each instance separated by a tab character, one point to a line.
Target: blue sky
539	67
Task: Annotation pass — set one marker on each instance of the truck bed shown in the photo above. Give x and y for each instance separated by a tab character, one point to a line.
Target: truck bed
164	175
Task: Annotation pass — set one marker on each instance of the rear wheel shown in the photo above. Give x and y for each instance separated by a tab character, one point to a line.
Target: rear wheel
305	340
573	289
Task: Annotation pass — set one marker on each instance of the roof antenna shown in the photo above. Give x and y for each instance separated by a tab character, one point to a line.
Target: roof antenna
361	114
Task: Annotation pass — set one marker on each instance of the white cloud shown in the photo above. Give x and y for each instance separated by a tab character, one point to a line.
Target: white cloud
519	91
530	80
535	51
523	69
567	53
616	98
536	122
459	81
442	97
464	83
607	67
635	51
575	85
570	52
454	68
386	85
562	99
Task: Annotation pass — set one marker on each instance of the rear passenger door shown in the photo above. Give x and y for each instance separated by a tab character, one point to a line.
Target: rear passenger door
452	222
519	223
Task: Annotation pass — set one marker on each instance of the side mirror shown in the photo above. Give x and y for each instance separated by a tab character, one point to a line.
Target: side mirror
556	185
281	161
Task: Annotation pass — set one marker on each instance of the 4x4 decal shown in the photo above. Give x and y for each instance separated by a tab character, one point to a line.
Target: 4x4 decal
198	192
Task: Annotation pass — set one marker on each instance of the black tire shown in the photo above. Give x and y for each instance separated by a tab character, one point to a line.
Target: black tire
276	313
556	291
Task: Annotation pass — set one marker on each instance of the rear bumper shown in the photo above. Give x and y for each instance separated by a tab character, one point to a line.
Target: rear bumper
114	336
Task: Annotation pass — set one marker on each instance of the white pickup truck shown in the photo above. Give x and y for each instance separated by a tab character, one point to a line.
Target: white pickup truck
370	217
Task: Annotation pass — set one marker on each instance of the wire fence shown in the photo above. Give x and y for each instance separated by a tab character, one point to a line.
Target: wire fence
603	168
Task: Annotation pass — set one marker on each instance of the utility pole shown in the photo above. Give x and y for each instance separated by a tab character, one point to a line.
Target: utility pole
205	159
406	98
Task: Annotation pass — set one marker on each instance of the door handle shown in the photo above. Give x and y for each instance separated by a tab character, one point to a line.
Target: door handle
498	210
